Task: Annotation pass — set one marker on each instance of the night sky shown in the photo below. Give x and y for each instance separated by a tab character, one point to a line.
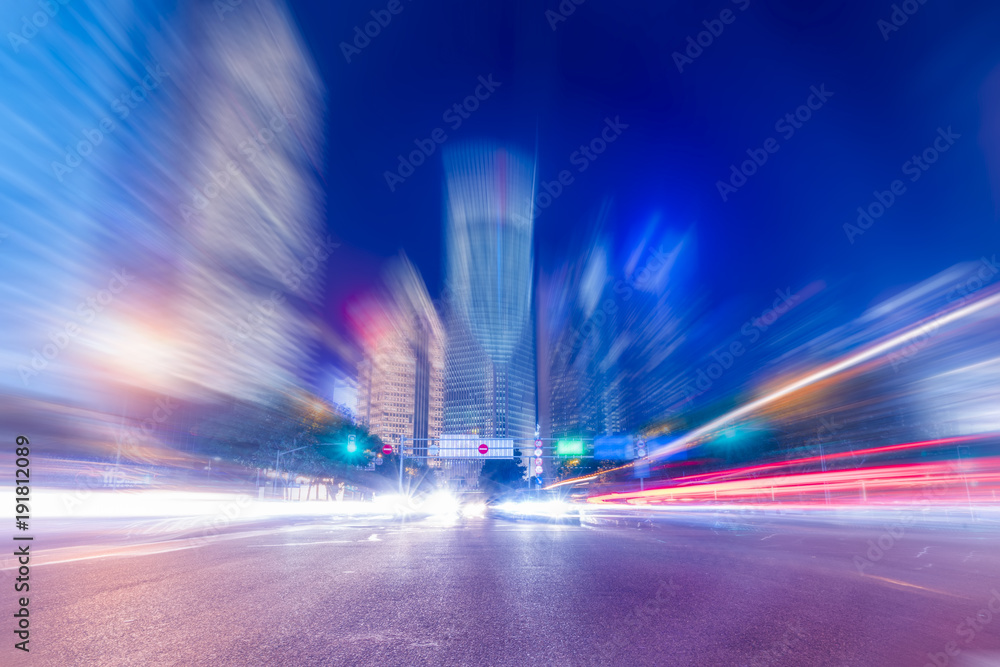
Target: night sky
889	92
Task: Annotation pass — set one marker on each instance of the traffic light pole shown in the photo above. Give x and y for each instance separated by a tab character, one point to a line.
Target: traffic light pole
402	442
277	463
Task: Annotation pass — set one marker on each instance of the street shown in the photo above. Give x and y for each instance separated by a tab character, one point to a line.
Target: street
491	592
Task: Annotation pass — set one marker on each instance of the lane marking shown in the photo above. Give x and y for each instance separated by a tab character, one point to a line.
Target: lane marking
148	549
302	544
896	582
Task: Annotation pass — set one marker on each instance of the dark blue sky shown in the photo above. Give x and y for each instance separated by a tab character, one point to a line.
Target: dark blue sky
611	59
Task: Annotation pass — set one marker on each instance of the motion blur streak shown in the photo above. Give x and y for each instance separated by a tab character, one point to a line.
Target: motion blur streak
943	483
832	369
165	217
854	454
984	304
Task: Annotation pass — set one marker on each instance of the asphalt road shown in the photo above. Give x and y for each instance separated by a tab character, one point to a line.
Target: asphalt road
493	592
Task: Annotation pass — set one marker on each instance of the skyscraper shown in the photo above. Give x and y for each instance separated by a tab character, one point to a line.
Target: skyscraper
401	374
490	359
245	269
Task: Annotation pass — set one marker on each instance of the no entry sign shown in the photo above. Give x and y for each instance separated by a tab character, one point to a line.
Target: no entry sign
387	450
483	448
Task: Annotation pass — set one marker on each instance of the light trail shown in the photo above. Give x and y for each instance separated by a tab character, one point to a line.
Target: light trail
870	451
940	481
922	329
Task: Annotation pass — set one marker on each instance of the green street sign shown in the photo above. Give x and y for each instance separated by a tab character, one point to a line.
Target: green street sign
569	448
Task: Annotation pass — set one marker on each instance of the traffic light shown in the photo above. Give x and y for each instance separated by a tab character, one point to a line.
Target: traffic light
352	444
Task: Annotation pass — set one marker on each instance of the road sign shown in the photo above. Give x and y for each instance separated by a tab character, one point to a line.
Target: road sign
614	447
387	450
640	450
378	461
484	448
538	452
462	446
538	470
569	448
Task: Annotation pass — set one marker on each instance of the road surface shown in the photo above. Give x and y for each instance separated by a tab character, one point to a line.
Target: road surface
492	592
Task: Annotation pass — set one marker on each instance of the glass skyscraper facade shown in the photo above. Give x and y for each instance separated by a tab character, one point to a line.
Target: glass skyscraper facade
490	358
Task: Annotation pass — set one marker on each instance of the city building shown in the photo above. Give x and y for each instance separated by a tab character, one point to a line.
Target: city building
401	373
585	378
490	370
247	275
